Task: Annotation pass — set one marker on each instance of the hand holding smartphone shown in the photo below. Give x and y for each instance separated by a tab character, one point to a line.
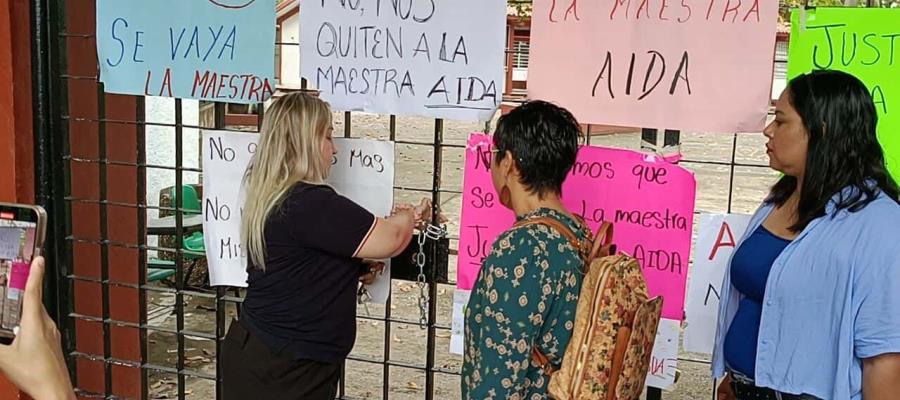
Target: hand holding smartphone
34	360
22	232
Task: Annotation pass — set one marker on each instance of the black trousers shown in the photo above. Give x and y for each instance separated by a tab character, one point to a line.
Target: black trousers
251	371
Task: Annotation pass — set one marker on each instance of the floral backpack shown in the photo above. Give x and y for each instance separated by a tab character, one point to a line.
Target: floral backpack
608	355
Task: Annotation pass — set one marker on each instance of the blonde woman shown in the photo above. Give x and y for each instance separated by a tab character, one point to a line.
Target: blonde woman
305	244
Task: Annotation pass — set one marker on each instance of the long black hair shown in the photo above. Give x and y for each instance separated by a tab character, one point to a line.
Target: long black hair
840	119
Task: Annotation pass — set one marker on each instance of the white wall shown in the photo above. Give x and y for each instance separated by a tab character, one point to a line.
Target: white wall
779	81
160	148
290	53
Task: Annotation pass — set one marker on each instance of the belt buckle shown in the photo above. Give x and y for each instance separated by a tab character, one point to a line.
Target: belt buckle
742	379
745	388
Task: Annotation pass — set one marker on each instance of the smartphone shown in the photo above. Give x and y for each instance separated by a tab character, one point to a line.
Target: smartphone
22	231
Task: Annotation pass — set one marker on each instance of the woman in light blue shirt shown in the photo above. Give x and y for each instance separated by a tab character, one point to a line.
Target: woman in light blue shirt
811	302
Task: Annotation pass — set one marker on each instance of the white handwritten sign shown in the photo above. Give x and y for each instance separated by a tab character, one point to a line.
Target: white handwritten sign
458	321
417	57
665	355
716	241
10	243
362	170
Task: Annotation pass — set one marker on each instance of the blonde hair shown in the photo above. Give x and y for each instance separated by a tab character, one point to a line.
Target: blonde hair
289	151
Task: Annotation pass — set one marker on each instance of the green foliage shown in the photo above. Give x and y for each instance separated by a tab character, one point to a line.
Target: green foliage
524	7
788	5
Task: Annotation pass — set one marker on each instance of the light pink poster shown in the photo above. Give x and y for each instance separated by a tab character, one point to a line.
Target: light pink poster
702	65
649	200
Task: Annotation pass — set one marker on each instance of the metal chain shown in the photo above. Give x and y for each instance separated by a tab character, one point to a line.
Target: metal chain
363	297
420	281
432	232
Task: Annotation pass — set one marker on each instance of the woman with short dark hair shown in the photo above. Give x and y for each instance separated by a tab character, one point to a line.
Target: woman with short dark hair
811	302
527	290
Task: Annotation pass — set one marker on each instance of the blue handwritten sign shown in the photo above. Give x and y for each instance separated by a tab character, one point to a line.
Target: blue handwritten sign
219	50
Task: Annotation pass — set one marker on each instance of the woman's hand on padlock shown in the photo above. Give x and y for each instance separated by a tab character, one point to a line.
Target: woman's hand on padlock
421	213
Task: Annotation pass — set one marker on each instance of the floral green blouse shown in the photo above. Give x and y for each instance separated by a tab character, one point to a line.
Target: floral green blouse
526	295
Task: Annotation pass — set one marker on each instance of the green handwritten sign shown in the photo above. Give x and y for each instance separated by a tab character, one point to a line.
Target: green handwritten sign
864	42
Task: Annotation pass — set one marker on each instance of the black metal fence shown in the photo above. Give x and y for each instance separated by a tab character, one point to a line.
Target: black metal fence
129	335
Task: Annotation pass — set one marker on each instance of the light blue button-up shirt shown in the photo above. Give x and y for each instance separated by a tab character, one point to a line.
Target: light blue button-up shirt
832	299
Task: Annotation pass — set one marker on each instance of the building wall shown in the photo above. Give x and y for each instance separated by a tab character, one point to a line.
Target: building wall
16	119
7	108
290	53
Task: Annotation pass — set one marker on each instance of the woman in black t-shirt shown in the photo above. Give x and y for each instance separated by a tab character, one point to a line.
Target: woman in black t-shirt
305	244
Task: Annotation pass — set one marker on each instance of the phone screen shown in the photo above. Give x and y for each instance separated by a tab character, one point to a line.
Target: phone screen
18	235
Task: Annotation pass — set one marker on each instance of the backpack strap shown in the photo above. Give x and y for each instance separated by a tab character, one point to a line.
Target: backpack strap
603	241
583	247
601	246
542	361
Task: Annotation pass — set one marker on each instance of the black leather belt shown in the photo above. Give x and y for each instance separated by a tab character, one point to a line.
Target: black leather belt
744	391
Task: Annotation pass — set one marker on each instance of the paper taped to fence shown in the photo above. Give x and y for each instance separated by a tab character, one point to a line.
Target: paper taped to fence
716	241
363	170
458	321
441	59
703	65
650	202
216	50
864	42
664	359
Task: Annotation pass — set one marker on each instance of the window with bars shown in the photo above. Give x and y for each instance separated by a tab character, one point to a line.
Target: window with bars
520	55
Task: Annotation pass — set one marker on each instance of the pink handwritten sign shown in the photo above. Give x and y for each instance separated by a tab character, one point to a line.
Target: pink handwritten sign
649	201
18	276
701	65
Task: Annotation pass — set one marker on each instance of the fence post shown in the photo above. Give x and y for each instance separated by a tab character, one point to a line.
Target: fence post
650	142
